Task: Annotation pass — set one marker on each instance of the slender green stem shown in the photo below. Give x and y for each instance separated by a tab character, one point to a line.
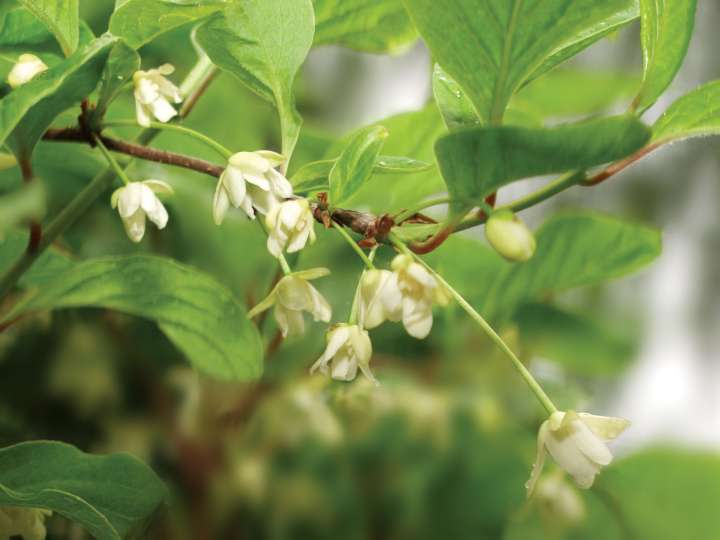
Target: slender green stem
475	316
354	245
219	148
353	318
405	214
553	188
114	165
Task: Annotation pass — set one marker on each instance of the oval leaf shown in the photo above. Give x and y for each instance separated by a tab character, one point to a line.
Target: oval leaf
379	26
356	163
696	114
264	43
198	314
491	47
476	162
666	29
141	21
61	17
112	497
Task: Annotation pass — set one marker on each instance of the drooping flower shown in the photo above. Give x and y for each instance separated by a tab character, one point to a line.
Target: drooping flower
293	295
26	522
510	237
251	181
27	68
578	443
137	201
380	298
419	290
348	348
154	95
290	226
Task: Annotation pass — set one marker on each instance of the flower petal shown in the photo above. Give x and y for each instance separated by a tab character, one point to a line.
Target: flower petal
417	317
135	225
234	183
221	203
605	427
539	459
129	198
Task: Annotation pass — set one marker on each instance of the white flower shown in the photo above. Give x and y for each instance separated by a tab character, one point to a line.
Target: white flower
577	442
250	180
510	236
348	347
290	226
136	201
26	522
153	95
380	298
27	68
293	295
418	290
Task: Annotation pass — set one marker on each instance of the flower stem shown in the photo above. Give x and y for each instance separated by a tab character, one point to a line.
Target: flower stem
114	165
402	216
353	244
219	148
542	397
281	258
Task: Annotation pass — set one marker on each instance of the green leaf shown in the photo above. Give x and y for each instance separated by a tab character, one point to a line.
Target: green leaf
492	47
28	110
112	497
573	250
264	43
411	134
456	109
476	162
658	490
141	21
62	18
356	163
313	177
46	268
122	62
377	26
581	344
198	314
696	114
566	92
667	26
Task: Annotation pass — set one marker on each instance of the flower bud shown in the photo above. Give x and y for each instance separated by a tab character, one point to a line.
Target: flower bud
27	68
510	237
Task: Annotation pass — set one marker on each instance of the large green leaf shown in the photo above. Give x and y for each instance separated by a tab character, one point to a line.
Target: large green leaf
696	114
491	47
665	494
62	18
667	26
198	314
264	43
46	267
356	163
580	343
21	205
112	497
476	162
141	21
366	25
28	110
573	250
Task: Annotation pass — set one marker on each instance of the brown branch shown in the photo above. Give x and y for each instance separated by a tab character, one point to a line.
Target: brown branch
618	166
136	150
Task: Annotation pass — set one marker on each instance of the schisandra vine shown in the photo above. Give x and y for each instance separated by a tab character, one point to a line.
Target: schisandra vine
407	291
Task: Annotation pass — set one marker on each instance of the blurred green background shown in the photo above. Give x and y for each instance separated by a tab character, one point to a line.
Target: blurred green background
442	449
